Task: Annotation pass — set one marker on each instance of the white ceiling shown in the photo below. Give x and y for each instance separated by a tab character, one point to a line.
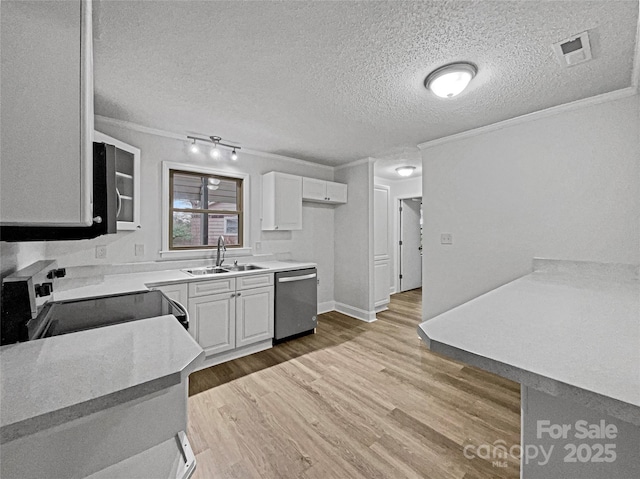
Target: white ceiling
334	82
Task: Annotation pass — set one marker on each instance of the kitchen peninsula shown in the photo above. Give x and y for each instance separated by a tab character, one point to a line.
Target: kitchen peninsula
97	403
569	333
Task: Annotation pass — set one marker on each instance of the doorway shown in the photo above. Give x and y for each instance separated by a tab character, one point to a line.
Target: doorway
410	244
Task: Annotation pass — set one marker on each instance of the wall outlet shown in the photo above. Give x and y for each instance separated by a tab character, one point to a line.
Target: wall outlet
258	246
446	238
101	252
139	250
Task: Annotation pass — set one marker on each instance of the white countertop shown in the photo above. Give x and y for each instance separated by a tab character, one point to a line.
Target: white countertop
54	380
124	283
577	326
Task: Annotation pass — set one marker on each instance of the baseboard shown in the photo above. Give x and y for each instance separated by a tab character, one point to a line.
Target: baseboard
235	354
382	307
361	314
326	307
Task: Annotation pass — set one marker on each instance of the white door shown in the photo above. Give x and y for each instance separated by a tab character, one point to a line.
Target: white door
410	244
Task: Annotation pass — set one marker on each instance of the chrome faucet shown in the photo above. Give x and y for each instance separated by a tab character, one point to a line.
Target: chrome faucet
224	248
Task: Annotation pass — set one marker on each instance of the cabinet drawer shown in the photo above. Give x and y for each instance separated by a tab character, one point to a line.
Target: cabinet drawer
202	288
255	281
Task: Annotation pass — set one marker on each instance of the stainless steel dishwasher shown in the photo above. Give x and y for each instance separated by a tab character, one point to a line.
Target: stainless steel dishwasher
296	306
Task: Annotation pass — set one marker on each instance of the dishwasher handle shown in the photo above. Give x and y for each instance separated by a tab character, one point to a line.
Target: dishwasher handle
288	279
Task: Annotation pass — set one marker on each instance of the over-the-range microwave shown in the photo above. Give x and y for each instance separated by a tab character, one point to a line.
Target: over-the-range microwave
104	206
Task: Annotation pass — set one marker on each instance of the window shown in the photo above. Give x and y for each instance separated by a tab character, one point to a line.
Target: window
203	207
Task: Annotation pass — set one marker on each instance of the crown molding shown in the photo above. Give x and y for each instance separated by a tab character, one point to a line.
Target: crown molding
355	163
536	115
127	125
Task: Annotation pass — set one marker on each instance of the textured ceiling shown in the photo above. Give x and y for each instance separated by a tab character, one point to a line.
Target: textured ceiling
333	82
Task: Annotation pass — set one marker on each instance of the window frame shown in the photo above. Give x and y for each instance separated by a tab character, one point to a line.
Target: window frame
167	211
205	211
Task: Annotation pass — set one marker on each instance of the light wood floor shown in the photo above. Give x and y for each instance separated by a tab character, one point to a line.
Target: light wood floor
355	400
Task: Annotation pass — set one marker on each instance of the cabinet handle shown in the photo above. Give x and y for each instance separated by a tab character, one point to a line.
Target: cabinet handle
233	295
275	228
119	198
238	294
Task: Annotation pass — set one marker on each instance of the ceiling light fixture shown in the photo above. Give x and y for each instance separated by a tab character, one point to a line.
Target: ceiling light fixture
405	170
215	150
450	80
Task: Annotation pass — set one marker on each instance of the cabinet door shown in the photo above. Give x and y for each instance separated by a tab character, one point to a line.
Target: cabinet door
215	321
127	181
314	190
281	201
336	192
46	119
381	222
254	315
381	278
288	202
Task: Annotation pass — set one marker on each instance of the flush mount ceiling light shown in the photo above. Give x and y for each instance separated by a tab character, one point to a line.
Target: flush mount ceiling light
405	170
450	80
215	150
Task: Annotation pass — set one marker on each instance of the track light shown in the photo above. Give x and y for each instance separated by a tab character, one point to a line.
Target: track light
215	150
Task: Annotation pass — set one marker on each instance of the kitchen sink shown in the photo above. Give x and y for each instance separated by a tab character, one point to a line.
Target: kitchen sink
243	267
205	271
209	270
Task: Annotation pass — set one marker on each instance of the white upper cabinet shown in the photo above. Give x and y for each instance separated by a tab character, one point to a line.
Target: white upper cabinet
322	191
281	201
127	181
46	124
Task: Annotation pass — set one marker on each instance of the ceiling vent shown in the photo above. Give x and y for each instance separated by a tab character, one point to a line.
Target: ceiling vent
574	50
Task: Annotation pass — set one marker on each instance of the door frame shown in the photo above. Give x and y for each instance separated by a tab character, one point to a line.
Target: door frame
398	238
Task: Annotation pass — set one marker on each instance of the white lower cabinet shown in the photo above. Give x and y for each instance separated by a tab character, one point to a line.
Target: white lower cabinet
214	321
254	315
240	316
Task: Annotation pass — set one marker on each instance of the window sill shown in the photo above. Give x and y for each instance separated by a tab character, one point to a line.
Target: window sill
207	253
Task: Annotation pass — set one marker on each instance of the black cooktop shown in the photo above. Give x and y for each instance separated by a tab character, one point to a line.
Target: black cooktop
63	317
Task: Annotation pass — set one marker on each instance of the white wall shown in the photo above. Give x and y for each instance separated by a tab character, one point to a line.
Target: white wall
314	243
399	189
16	256
354	242
564	186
